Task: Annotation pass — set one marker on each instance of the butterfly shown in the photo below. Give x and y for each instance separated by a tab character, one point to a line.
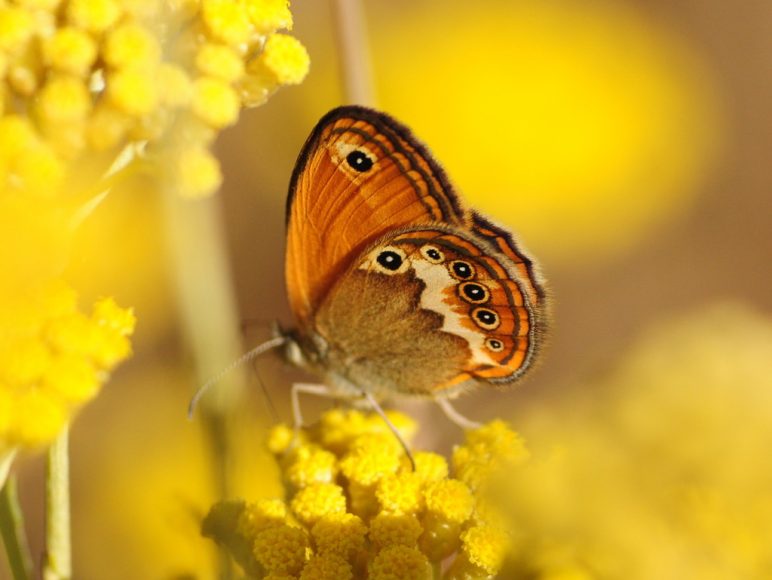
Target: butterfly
396	286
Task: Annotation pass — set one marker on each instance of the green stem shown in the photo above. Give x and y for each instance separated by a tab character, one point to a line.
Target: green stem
12	530
5	465
58	565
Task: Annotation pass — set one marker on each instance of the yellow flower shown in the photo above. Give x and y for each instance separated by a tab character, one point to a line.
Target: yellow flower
27	163
109	315
215	102
485	548
42	5
70	50
661	472
219	61
281	549
339	533
380	519
430	466
286	58
16	28
102	74
283	61
400	562
486	451
193	172
35	420
260	515
131	45
227	21
394	530
400	493
280	438
339	427
327	567
178	88
72	378
107	127
93	15
309	464
450	500
371	457
269	15
64	99
54	358
133	91
317	500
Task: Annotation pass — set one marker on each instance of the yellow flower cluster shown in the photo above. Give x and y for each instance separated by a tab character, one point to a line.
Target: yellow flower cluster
54	358
663	472
357	509
81	79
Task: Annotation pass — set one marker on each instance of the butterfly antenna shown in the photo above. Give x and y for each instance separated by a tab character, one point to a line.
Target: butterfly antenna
246	357
377	408
268	400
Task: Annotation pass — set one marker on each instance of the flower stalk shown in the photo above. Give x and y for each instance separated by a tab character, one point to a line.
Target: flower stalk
12	530
58	559
353	52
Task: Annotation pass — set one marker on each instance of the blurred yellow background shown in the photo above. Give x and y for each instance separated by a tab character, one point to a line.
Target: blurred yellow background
626	144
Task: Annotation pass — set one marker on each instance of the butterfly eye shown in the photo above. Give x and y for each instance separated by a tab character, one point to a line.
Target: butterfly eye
359	161
473	293
494	344
486	318
461	270
432	254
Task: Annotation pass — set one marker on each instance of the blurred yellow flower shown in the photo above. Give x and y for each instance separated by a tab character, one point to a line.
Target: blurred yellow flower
283	61
80	86
579	124
662	473
357	508
53	359
286	58
121	78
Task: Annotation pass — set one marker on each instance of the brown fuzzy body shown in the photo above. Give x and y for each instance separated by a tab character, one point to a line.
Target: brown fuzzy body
380	340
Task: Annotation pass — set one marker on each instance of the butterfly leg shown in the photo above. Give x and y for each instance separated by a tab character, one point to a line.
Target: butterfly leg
455	416
297	416
378	409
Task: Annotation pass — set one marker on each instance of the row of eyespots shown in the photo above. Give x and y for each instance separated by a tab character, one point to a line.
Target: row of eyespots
470	292
391	259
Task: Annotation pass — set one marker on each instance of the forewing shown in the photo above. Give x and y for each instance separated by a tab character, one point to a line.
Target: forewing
360	174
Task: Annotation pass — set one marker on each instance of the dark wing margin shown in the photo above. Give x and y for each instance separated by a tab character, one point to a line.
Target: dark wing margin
397	134
503	241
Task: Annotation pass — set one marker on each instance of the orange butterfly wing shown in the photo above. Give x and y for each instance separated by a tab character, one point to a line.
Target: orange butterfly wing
362	179
359	175
478	288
